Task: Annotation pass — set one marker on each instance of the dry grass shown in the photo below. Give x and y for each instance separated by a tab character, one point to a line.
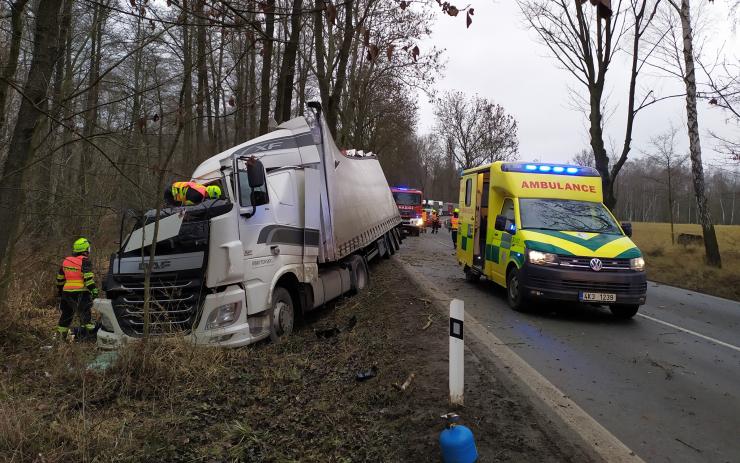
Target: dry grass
684	266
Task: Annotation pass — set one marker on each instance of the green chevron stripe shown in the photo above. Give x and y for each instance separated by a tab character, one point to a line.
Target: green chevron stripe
630	254
593	243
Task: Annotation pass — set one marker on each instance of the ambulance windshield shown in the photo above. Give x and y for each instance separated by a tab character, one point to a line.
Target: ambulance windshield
567	215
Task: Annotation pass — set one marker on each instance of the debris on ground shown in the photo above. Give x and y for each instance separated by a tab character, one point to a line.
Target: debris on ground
367	374
406	383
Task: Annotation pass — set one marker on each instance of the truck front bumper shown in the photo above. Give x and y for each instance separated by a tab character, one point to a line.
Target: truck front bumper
240	333
542	282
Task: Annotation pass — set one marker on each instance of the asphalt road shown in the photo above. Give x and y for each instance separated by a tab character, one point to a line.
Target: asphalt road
666	383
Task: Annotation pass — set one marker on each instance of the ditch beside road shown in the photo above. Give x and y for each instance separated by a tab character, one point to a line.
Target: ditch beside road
665	383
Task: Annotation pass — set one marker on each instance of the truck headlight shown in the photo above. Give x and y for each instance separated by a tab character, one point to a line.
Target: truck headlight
417	222
223	316
638	263
541	258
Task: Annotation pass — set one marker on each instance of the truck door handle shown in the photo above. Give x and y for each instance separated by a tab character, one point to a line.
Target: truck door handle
275	250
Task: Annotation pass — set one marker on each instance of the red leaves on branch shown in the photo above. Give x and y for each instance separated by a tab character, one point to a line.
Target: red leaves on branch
169	2
366	38
372	52
142	124
415	52
713	101
133	3
232	101
331	13
142	11
389	51
151	24
155	117
452	10
468	19
403	4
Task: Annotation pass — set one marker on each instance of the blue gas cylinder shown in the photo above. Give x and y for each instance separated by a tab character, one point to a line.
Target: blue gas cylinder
457	442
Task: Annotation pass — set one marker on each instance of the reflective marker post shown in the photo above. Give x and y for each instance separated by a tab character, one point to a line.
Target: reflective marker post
457	351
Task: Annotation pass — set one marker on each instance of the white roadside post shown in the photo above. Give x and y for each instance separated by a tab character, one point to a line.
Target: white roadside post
457	352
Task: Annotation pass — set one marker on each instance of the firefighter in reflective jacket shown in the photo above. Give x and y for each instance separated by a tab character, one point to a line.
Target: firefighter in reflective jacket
186	193
76	286
454	225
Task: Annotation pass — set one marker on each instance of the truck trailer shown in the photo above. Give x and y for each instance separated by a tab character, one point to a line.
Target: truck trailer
295	228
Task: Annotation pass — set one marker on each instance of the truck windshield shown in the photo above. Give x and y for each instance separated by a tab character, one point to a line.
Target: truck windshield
567	215
407	199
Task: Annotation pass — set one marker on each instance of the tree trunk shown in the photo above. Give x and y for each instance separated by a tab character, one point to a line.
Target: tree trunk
186	110
32	107
266	67
697	169
16	34
287	69
332	111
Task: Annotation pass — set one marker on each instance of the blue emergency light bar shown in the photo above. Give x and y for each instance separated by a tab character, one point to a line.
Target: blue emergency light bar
557	169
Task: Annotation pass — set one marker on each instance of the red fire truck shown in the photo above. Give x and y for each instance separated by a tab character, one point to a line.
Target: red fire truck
409	205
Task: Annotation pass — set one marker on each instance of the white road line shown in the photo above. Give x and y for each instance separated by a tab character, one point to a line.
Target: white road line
686	330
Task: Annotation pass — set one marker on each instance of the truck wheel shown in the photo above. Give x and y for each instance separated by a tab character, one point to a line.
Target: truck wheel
282	315
514	293
624	311
360	277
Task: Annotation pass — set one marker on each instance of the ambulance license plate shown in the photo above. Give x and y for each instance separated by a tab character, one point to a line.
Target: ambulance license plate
597	297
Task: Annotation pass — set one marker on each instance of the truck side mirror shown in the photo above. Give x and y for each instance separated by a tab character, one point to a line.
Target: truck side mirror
627	227
255	173
500	223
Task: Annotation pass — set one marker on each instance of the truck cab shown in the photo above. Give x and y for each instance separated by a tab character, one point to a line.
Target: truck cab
409	202
543	232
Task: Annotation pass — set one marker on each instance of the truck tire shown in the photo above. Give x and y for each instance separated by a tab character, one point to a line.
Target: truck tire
359	274
282	315
624	311
516	298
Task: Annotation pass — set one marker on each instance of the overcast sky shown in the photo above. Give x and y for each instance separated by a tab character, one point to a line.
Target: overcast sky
499	58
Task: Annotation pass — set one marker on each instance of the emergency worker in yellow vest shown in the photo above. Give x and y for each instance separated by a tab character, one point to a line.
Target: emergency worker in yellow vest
454	225
76	286
185	193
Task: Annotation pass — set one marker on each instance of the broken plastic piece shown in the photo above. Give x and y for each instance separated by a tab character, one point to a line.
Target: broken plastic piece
367	374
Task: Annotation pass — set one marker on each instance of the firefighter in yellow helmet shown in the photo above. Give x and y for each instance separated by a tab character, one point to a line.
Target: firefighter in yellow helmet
454	225
76	286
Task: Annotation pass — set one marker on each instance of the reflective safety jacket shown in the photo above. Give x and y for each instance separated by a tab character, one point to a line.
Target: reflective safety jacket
455	222
189	193
75	275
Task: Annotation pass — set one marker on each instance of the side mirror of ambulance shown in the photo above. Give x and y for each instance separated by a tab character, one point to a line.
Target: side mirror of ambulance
255	173
500	223
627	227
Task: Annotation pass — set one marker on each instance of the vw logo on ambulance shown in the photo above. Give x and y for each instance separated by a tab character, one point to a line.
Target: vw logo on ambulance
595	264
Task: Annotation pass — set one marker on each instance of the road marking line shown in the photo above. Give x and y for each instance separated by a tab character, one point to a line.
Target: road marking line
596	437
686	330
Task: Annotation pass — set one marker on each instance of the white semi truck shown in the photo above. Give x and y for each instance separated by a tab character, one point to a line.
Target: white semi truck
295	229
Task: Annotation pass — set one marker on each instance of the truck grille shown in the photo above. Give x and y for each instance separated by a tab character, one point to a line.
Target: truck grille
174	303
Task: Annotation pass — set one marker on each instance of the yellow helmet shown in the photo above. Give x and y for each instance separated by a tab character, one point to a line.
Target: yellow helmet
457	210
81	245
214	191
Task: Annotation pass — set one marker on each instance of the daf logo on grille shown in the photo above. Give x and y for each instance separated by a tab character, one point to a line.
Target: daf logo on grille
158	265
595	264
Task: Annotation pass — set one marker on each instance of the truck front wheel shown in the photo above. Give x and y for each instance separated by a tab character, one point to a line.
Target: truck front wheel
282	315
624	311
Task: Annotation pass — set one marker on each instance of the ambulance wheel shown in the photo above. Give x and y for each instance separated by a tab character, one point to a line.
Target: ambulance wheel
471	275
514	293
282	315
624	311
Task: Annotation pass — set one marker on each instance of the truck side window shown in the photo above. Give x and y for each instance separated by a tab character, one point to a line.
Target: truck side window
507	210
468	189
249	197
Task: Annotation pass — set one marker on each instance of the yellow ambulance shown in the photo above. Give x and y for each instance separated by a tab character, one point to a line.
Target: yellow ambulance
542	232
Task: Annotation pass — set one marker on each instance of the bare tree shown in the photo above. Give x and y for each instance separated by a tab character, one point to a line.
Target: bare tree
663	154
683	9
476	130
587	52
